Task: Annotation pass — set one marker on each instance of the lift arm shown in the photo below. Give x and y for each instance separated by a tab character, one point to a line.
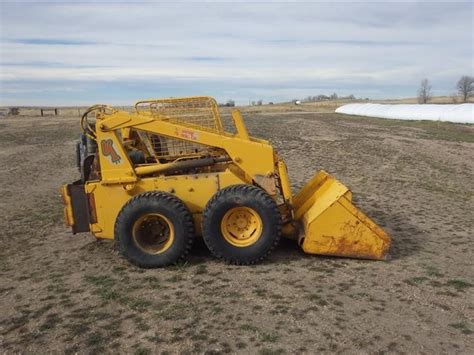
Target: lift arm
254	157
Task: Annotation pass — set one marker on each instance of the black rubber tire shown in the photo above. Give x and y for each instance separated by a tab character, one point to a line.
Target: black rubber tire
243	196
155	202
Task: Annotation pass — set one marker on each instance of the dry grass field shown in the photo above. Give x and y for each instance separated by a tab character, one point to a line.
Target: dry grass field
64	293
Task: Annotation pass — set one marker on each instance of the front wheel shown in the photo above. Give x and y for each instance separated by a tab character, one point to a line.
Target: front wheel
154	229
241	224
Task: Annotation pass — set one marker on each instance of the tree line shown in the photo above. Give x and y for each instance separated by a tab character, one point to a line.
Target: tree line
464	87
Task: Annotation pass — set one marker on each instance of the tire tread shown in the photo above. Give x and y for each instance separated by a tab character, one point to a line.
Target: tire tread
256	193
171	201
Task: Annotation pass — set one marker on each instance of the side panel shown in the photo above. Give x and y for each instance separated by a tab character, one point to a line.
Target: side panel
114	161
80	208
194	190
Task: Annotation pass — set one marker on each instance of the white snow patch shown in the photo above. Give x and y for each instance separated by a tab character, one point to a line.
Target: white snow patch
462	113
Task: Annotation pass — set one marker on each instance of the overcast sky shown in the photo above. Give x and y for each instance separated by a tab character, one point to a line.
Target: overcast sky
64	53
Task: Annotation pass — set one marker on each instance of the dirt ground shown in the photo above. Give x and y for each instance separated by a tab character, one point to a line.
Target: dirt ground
64	293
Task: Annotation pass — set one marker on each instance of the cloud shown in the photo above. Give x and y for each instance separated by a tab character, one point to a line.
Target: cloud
46	41
247	51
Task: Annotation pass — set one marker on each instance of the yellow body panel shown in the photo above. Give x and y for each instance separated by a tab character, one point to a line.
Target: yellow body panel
114	162
67	210
194	190
332	225
239	125
285	182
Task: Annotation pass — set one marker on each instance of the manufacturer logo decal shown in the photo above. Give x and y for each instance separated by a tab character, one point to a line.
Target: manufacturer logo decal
187	134
108	150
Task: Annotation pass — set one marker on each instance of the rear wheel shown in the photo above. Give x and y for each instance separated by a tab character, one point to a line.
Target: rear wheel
241	224
154	229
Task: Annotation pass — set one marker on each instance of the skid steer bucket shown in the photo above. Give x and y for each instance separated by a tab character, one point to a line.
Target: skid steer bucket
332	225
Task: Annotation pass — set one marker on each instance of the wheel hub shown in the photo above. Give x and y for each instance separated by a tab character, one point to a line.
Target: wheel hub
153	233
241	226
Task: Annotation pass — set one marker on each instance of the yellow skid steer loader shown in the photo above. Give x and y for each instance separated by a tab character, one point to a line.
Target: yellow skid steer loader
156	178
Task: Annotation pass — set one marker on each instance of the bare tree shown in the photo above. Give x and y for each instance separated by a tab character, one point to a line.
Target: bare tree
465	87
424	92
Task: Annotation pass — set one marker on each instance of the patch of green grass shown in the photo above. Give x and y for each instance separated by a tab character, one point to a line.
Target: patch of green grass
314	297
151	279
108	294
52	320
415	281
234	294
95	339
217	310
280	309
199	337
174	312
462	326
176	339
141	324
180	266
269	337
155	339
78	328
459	285
72	349
260	291
446	131
139	304
248	327
153	282
142	351
119	268
433	271
101	280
